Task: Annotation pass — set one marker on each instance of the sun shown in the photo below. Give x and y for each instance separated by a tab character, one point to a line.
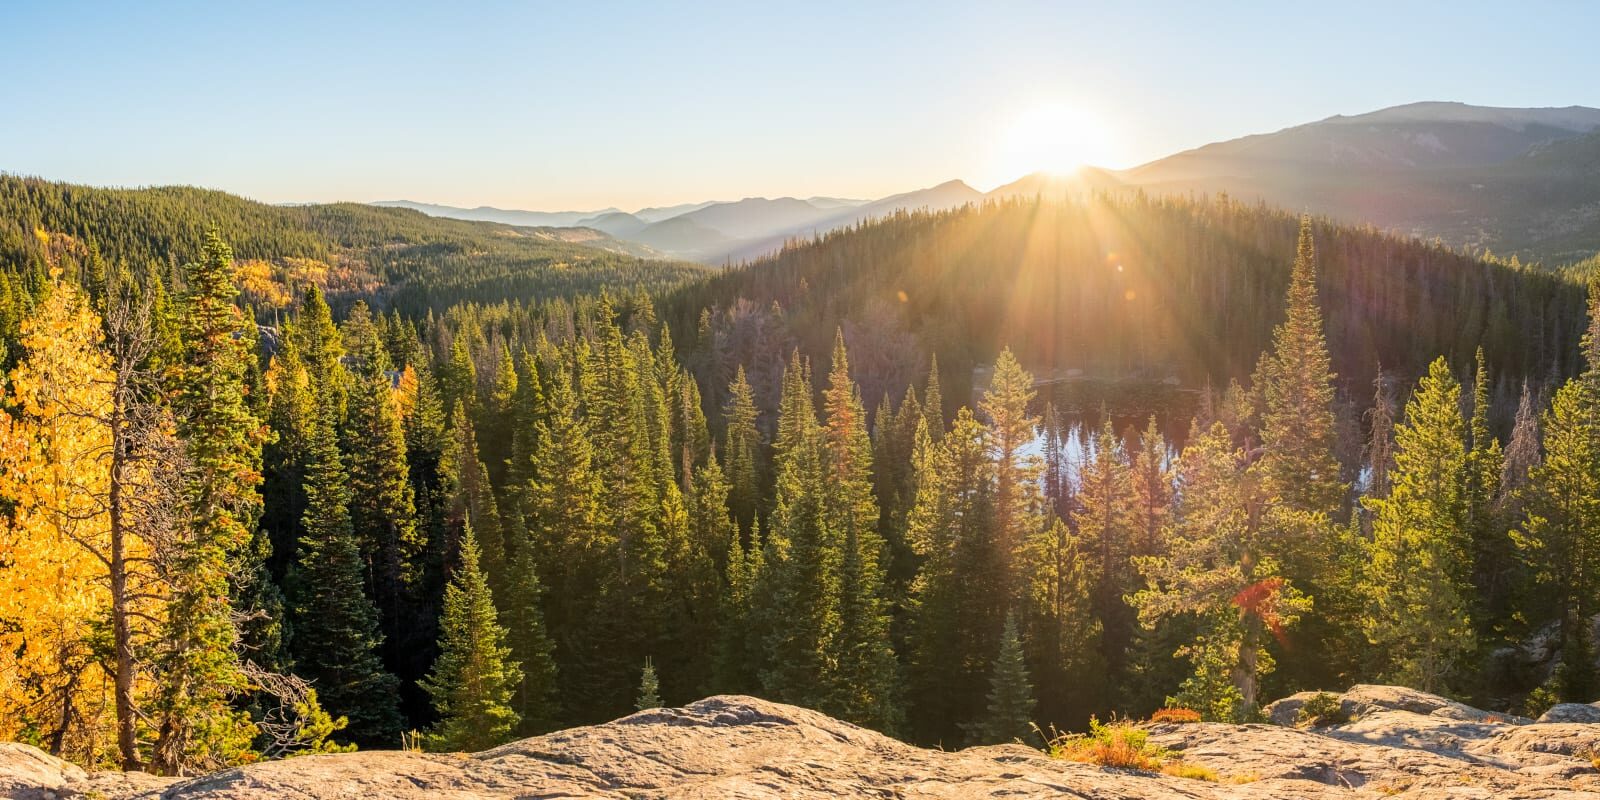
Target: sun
1054	138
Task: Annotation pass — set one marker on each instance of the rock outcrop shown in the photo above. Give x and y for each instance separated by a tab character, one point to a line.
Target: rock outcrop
1397	743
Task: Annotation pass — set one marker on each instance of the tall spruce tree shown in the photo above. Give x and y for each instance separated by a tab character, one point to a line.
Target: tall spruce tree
1493	555
1105	520
1560	538
1420	558
1063	643
1298	430
800	595
382	500
522	615
472	681
742	443
954	618
196	721
1009	716
336	636
565	522
866	686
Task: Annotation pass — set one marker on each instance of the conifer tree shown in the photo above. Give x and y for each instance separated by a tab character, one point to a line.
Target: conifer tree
1064	634
1219	567
336	635
534	699
1009	716
468	496
565	520
801	596
1106	522
1492	551
382	499
742	443
649	688
954	618
291	407
1294	383
866	687
1560	538
1298	434
933	401
1016	491
472	681
500	417
1420	557
321	347
197	723
740	639
458	380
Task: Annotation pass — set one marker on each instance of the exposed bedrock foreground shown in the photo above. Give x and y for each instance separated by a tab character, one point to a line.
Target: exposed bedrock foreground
1398	743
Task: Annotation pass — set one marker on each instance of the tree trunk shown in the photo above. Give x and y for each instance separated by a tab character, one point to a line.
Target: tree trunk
121	629
1245	676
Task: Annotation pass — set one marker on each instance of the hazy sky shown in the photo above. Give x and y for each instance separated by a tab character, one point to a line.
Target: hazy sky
580	105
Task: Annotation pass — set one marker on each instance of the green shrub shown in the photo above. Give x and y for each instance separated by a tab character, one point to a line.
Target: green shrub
1323	709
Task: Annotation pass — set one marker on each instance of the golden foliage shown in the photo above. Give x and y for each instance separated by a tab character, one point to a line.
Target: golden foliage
54	471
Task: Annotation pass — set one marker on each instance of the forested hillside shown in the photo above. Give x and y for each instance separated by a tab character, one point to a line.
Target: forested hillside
1122	287
401	258
505	516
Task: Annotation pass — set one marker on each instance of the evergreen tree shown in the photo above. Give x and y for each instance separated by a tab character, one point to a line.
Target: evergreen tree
468	497
382	499
336	635
1064	634
1009	717
742	443
933	401
1492	551
1560	537
321	345
1298	433
1219	567
1011	430
649	688
575	555
522	616
800	597
1105	521
740	638
472	681
954	618
866	687
1420	557
197	723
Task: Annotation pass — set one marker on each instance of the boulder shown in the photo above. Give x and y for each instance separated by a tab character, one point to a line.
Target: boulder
1572	712
742	747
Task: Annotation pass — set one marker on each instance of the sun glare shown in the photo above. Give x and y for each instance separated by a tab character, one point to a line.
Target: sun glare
1056	139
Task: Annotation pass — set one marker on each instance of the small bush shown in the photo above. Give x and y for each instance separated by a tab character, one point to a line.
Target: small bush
1323	709
1540	700
1178	715
1117	744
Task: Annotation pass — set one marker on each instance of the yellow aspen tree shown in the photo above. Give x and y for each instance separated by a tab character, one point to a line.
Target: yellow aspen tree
55	601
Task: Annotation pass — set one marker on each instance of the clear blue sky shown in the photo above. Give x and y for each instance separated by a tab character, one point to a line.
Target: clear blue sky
581	105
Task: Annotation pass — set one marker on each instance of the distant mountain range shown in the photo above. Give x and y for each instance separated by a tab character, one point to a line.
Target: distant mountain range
1523	181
